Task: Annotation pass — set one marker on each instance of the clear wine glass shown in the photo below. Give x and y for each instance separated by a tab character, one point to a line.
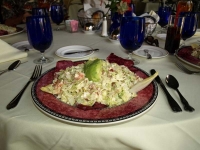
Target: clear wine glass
132	34
190	25
57	14
163	12
40	36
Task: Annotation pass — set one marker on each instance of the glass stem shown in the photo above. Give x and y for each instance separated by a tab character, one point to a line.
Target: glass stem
130	56
183	43
43	58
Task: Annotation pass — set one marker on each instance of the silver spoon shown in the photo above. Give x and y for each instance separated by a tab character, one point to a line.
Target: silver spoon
13	66
173	83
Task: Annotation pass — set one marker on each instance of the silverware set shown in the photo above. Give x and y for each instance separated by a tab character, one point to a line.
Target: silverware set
173	83
36	73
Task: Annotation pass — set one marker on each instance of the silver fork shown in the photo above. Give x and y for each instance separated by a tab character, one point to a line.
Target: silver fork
148	55
36	73
186	70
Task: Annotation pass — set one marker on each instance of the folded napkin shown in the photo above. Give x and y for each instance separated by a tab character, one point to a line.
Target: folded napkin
7	52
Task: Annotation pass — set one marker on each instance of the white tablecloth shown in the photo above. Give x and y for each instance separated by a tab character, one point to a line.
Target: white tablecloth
27	128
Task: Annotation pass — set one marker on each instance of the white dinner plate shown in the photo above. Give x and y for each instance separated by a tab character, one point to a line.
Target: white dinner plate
161	36
23	45
156	52
74	48
19	30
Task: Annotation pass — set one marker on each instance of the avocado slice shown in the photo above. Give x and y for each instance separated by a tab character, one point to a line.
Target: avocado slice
93	69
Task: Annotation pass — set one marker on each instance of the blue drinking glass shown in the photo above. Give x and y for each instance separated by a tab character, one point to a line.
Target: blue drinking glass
115	21
40	36
164	12
39	11
189	26
57	14
132	33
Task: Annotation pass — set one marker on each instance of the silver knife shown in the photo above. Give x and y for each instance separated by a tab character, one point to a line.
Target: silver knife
91	50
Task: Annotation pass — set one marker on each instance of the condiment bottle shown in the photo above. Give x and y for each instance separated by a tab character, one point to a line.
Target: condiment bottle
104	28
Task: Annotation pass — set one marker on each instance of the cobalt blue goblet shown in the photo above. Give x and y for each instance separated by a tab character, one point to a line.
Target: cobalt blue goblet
189	26
132	33
164	12
37	11
57	14
40	36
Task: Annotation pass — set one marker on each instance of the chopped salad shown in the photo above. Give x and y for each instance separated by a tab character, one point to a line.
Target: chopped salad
72	87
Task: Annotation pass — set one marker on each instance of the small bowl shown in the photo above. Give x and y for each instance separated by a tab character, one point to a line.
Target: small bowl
89	26
115	34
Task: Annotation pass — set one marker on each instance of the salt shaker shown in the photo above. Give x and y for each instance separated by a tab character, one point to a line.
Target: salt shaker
104	28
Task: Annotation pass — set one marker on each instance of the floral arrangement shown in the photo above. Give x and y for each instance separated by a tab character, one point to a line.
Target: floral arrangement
119	6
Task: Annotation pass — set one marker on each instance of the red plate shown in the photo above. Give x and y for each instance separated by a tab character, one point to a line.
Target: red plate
19	30
51	106
184	54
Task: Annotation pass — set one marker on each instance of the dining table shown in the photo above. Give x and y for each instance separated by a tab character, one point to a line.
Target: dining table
27	127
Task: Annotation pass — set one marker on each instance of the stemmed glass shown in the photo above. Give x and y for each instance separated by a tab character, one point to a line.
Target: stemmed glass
40	36
163	12
57	14
39	11
132	34
190	25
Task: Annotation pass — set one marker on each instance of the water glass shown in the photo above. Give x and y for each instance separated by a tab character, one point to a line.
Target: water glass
174	31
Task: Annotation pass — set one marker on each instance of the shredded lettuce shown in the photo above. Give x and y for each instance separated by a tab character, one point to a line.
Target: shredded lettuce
72	87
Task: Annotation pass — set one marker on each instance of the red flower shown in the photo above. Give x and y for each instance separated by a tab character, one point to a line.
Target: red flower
128	1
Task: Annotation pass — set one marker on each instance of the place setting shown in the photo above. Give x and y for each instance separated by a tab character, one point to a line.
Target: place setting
75	51
6	31
93	113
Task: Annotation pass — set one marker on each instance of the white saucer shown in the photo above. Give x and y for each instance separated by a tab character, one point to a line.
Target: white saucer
23	46
156	52
161	36
74	48
89	32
